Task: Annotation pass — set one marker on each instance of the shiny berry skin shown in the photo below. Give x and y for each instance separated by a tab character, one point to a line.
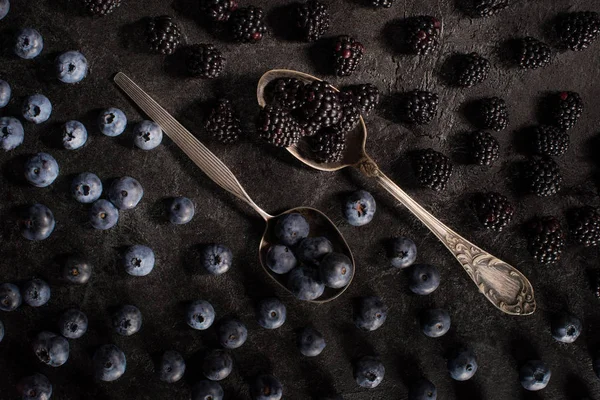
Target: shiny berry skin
36	222
86	187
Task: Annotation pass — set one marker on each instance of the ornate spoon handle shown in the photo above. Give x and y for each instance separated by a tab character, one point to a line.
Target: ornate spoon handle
503	285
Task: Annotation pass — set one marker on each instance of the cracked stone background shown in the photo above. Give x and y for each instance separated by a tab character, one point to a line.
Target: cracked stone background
276	181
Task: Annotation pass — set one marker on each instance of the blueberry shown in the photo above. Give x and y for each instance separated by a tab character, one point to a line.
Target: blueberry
232	333
171	367
109	363
37	108
312	250
462	365
147	135
51	349
534	375
127	320
200	315
103	215
112	122
138	260
291	229
369	372
217	365
310	342
271	313
11	133
4	8
5	93
336	270
41	170
35	293
180	210
35	387
435	322
280	259
86	187
74	135
36	222
304	283
216	259
266	387
403	252
207	390
77	270
369	313
71	67
28	43
566	328
423	279
73	323
360	208
125	193
422	389
10	297
1	331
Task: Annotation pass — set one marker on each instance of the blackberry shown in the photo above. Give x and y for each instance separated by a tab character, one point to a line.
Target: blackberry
322	107
493	210
347	53
542	176
350	113
491	113
549	141
366	97
276	125
382	3
432	169
470	70
247	24
578	30
204	61
584	226
222	124
484	148
565	108
218	10
288	92
101	7
530	53
163	35
545	239
328	145
483	8
419	35
418	107
312	20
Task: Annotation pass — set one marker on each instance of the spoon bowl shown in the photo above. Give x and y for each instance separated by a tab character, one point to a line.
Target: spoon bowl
320	224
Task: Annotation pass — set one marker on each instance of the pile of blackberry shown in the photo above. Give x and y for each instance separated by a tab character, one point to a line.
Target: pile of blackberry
541	176
584	226
493	210
549	141
322	107
564	109
484	148
347	53
468	70
218	10
419	35
483	8
101	7
418	107
432	169
311	20
578	30
204	61
247	25
490	113
545	239
163	35
530	53
222	124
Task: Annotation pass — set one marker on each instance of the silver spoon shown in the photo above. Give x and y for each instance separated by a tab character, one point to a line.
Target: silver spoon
320	224
503	285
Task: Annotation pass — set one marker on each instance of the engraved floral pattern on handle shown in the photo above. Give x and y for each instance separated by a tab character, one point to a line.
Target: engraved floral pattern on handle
504	286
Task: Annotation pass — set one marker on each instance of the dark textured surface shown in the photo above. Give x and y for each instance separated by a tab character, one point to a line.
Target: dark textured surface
276	181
